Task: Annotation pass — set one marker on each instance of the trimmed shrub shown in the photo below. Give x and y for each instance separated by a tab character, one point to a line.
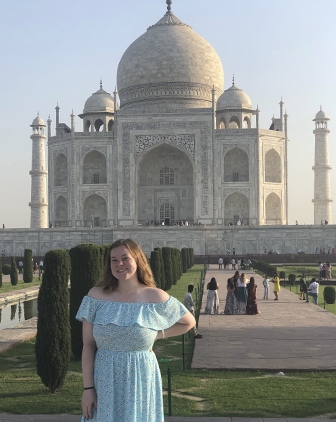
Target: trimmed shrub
167	262
291	279
163	277
282	275
6	269
329	294
52	347
86	269
184	252
175	268
28	309
156	267
0	273
14	272
191	256
180	263
28	266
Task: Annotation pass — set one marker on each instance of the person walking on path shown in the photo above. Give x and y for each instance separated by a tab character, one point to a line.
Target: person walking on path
190	305
242	294
220	263
276	282
231	305
313	290
212	303
266	287
252	307
303	287
329	268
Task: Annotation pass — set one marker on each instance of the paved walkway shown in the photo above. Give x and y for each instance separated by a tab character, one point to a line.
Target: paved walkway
288	334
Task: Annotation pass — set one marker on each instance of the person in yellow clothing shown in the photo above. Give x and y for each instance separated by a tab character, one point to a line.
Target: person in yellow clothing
276	282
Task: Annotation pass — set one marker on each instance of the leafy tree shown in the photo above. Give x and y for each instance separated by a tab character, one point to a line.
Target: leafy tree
156	267
184	252
52	347
167	262
28	266
14	272
163	277
86	269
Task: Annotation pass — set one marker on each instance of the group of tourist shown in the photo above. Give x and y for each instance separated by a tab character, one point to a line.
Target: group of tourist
309	289
241	295
322	251
239	263
325	270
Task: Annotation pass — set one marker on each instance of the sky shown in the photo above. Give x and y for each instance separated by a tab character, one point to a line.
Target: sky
57	52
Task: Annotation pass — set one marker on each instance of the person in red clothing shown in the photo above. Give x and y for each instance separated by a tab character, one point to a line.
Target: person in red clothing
251	307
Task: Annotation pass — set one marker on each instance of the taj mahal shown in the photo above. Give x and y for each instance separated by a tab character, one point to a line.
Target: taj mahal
170	144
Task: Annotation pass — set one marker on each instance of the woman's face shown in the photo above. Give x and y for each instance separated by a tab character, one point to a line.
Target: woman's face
123	265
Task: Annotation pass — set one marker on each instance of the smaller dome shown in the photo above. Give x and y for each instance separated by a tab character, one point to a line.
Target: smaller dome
38	121
233	98
321	115
100	101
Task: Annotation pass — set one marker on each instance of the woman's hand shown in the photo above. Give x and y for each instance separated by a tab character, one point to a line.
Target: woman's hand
89	399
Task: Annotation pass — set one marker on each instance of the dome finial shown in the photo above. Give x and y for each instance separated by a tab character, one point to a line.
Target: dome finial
169	2
38	113
101	83
233	84
321	107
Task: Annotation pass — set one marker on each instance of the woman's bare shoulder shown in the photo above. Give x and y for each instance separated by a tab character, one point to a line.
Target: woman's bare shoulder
96	293
154	295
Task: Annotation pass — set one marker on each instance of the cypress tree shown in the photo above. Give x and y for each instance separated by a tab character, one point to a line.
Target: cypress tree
180	262
28	266
184	259
28	309
163	277
176	268
155	267
13	274
52	347
0	273
190	252
86	269
167	262
13	311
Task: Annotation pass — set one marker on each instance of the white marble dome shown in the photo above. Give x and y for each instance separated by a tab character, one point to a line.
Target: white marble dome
233	98
321	115
169	65
100	101
38	121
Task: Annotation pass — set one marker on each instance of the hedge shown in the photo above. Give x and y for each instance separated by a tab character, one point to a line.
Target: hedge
28	266
52	347
86	269
155	264
185	255
6	269
167	262
0	273
329	294
14	272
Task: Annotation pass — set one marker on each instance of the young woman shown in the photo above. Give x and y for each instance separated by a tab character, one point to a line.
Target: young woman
212	303
242	294
276	282
122	317
251	307
231	306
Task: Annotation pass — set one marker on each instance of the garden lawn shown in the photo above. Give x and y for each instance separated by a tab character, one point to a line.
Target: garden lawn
298	270
320	301
7	287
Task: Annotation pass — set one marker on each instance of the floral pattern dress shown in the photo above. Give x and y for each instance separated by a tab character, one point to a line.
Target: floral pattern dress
127	377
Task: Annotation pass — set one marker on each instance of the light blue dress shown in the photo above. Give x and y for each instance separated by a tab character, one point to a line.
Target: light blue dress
127	376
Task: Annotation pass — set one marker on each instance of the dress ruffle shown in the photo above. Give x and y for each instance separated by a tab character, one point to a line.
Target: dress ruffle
157	316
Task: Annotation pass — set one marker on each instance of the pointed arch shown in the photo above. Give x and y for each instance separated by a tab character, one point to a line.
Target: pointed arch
95	211
94	168
61	170
234	123
273	209
236	207
236	166
61	212
272	167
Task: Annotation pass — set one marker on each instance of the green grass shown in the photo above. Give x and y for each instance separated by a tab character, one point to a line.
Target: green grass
298	270
320	300
7	287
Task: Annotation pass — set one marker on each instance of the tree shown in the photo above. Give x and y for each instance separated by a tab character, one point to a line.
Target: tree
163	277
86	269
167	262
0	273
184	252
28	266
14	272
156	267
52	347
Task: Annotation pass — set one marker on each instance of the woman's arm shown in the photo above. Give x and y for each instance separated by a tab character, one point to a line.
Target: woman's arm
180	327
89	398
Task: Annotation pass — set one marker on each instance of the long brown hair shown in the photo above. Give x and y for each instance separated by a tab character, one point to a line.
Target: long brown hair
251	285
109	283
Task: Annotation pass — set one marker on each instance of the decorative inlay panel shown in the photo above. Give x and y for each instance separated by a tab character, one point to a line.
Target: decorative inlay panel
276	148
276	191
185	142
58	194
86	193
63	151
86	149
243	191
228	147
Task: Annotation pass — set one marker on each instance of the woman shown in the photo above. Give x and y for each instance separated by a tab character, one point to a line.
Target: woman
235	279
212	303
329	267
242	294
252	308
303	287
122	317
231	307
276	282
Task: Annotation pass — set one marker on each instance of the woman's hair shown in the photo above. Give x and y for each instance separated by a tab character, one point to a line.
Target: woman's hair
243	278
251	285
109	283
230	283
213	284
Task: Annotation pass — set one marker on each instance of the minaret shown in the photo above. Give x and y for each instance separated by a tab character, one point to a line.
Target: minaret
38	204
281	115
322	201
57	119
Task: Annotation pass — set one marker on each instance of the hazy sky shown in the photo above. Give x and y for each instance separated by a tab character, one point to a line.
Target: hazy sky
58	51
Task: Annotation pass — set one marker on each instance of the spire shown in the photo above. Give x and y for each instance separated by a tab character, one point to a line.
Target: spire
321	107
169	2
233	83
101	83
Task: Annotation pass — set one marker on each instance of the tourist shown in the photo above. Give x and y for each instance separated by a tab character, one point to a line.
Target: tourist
239	264
35	268
241	293
329	268
303	287
333	251
226	263
212	302
231	306
276	282
189	304
234	251
126	313
320	270
324	270
266	287
20	267
233	263
313	290
41	266
251	307
220	263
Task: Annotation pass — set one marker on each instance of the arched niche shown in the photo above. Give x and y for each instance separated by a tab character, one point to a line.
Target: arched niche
94	168
110	125
222	124
61	170
272	167
61	212
158	165
95	211
236	207
236	166
273	209
247	123
99	125
234	123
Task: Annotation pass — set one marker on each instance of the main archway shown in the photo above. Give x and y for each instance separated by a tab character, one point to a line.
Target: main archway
165	186
95	211
273	209
236	208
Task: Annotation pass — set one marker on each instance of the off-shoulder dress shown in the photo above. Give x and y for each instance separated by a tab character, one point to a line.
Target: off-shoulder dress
127	377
